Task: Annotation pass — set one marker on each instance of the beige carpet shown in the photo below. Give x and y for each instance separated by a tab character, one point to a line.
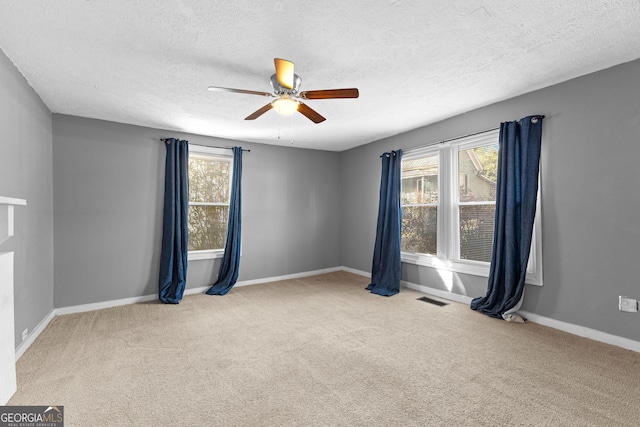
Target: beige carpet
322	351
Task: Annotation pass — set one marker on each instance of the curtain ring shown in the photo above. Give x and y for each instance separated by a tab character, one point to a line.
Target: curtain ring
534	120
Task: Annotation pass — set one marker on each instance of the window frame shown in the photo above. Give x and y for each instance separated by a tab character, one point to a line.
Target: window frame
213	153
448	213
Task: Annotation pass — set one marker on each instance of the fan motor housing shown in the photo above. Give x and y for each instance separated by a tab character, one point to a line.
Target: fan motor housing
278	89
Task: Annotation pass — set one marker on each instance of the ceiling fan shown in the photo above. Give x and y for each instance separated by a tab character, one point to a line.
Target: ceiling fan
286	86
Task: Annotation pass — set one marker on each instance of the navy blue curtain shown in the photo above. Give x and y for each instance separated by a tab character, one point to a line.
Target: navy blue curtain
230	266
516	195
175	220
386	269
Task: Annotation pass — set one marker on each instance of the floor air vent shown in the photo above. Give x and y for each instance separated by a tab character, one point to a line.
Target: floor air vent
433	301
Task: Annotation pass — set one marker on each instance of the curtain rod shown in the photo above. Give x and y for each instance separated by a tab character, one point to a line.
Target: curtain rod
466	136
450	139
206	146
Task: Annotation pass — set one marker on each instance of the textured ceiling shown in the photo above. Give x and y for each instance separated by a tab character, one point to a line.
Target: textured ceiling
149	62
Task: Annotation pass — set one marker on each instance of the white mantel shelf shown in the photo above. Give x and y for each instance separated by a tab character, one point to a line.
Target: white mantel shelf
6	215
11	201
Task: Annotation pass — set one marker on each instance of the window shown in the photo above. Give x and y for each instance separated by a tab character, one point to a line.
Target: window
210	172
448	206
419	199
476	200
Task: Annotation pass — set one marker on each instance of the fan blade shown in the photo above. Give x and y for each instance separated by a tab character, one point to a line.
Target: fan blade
330	94
310	113
284	72
259	112
228	89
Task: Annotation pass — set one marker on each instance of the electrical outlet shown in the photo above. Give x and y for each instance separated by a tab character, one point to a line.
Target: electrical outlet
627	304
24	334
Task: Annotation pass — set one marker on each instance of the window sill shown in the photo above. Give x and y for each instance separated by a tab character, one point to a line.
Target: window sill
466	267
470	267
210	254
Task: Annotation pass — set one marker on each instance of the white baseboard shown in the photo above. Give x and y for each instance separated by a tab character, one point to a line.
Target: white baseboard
541	320
288	276
358	272
269	279
582	331
105	304
437	292
134	300
24	345
192	291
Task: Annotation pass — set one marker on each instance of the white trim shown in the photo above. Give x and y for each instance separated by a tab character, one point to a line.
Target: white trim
474	268
24	345
208	204
211	153
7	216
104	304
202	149
482	138
570	328
134	300
582	331
416	153
425	260
206	254
268	279
200	290
358	272
288	276
8	384
4	200
535	269
437	292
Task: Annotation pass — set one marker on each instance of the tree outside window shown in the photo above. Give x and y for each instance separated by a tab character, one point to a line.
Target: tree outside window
209	190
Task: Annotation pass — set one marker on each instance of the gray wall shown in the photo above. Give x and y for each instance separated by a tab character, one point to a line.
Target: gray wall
590	177
25	173
108	186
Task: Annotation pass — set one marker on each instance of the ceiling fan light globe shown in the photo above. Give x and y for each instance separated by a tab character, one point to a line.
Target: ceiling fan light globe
285	106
